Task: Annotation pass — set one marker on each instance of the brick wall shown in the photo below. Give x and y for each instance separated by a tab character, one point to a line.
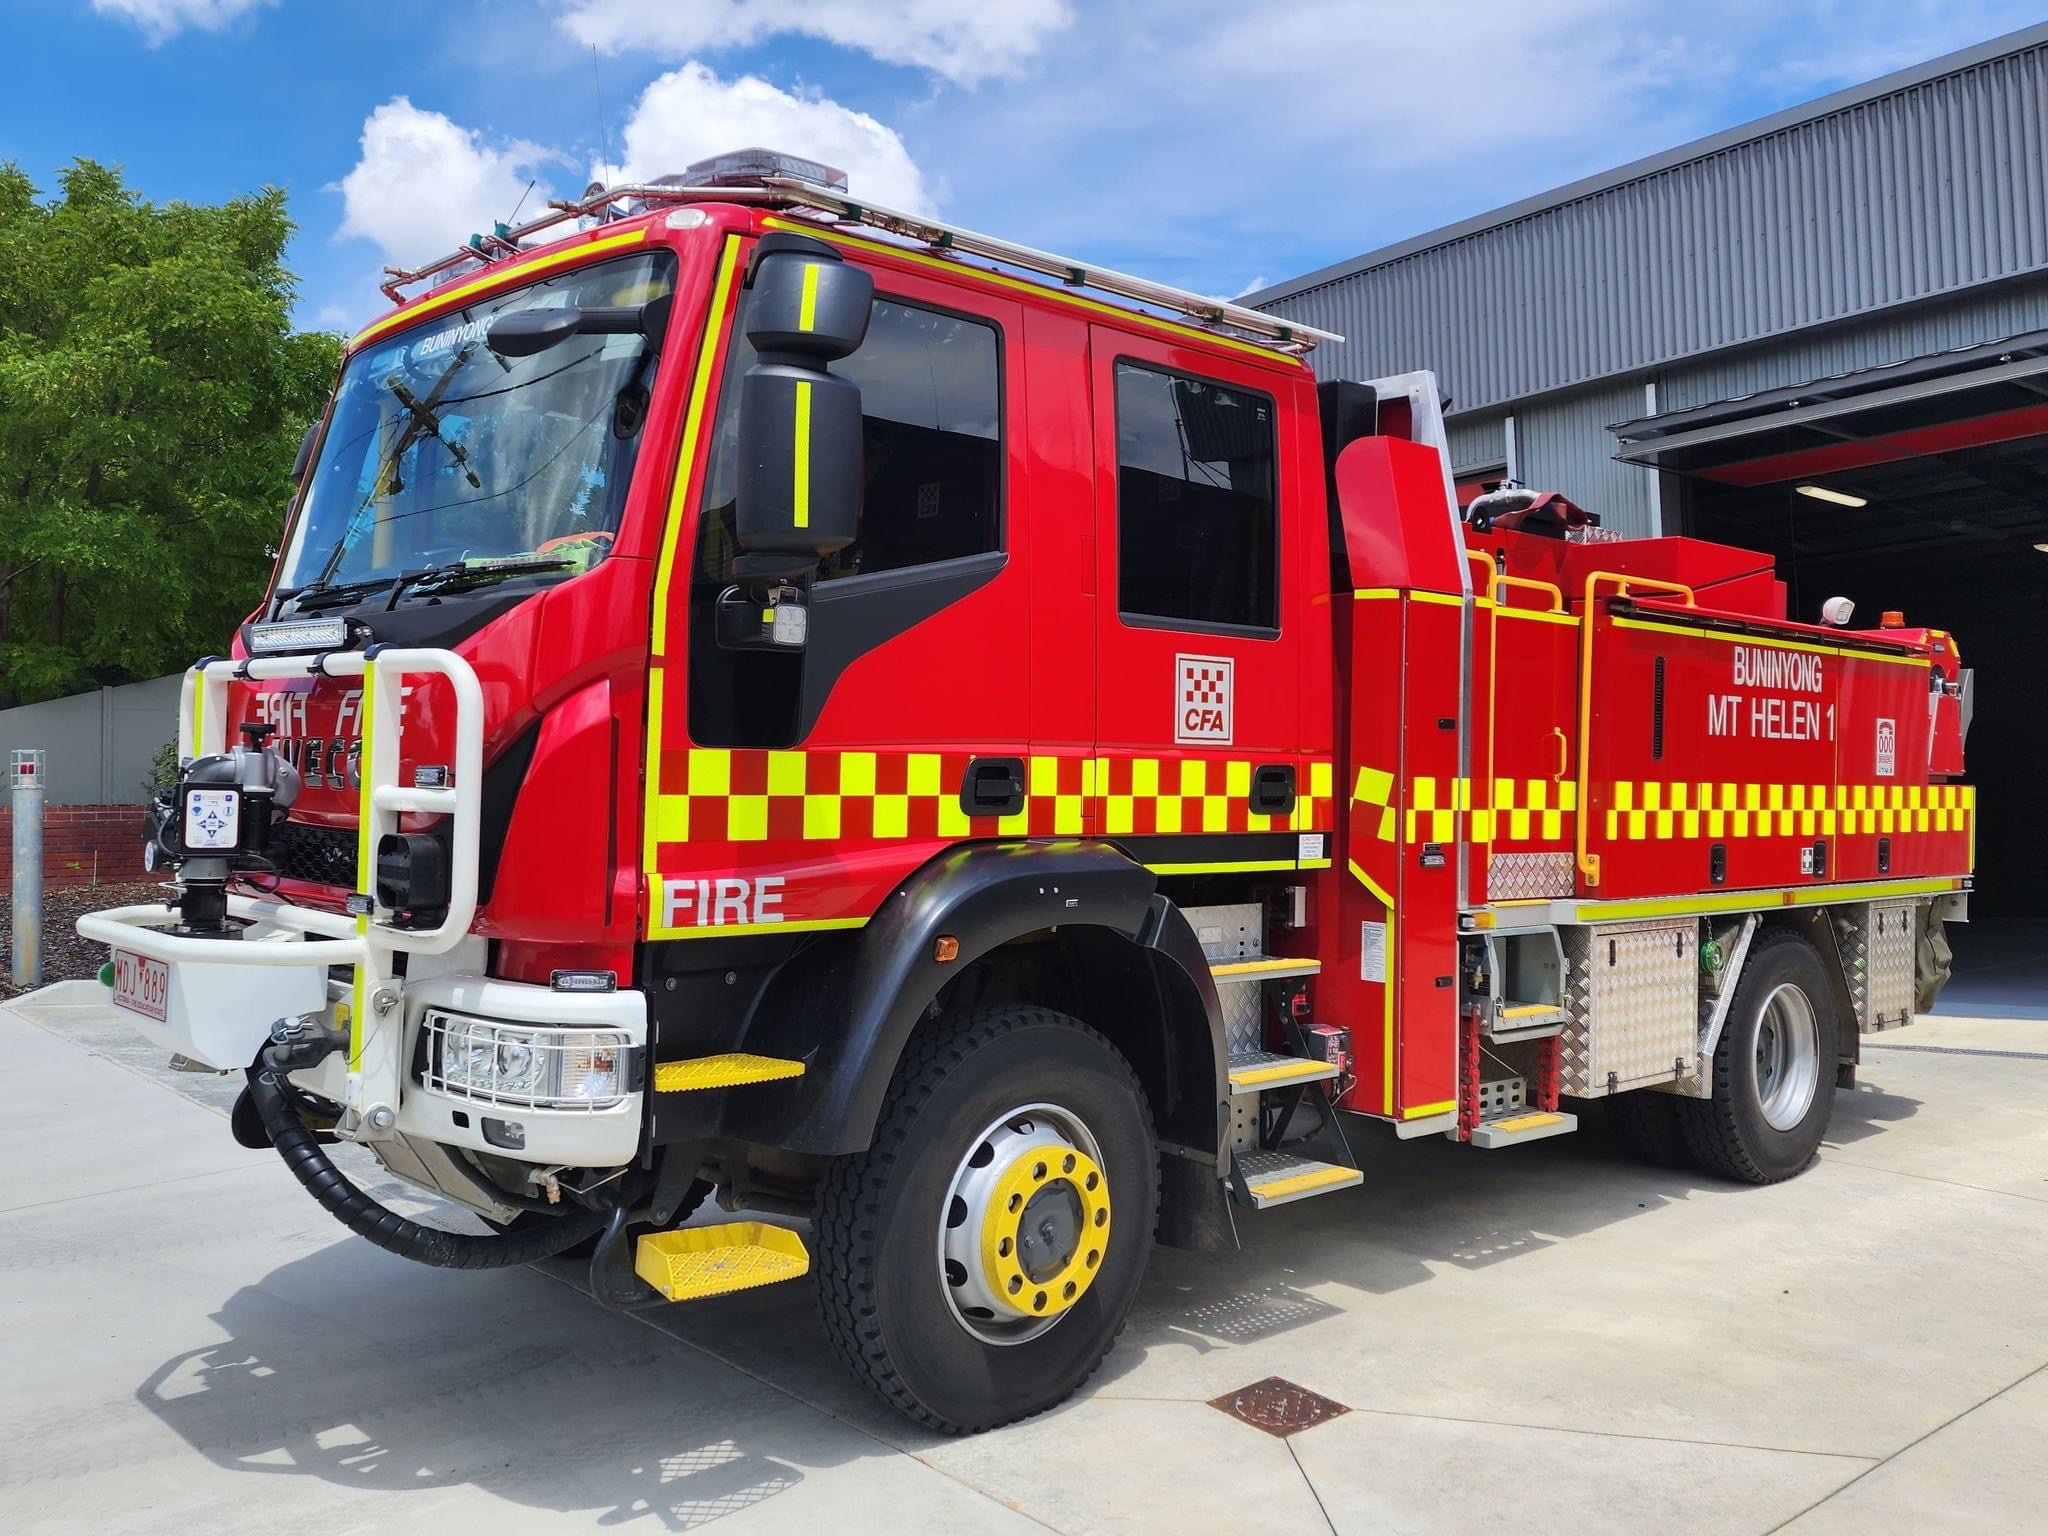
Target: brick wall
82	844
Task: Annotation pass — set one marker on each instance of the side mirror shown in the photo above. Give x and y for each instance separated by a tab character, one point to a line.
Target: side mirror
305	454
529	332
798	491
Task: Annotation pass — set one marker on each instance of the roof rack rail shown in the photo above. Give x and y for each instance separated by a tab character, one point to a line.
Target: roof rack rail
504	243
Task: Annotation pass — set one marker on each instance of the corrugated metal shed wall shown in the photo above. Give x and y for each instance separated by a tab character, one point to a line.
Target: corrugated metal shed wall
1477	442
1894	337
1928	191
1562	444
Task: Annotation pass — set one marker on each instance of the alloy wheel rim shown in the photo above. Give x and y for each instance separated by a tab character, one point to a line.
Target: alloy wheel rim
1025	1228
1787	1056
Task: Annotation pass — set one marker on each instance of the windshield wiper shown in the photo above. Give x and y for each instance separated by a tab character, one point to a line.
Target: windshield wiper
328	594
459	577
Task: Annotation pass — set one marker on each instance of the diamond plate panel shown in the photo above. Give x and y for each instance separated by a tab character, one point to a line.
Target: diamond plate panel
1528	876
1234	932
1631	1005
1877	943
1244	1016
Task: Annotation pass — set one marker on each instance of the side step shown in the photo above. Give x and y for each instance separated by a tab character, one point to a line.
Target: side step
1256	1071
732	1071
696	1262
1263	968
1280	1178
1532	1125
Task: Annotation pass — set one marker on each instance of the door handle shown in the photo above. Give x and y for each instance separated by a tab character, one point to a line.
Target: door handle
1272	789
1564	753
993	786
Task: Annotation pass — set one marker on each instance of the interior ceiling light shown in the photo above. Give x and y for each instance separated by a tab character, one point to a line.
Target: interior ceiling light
1839	498
2042	547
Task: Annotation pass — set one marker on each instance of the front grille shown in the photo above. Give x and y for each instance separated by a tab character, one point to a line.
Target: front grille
322	855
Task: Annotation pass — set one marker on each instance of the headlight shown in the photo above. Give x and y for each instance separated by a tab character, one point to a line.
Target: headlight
533	1067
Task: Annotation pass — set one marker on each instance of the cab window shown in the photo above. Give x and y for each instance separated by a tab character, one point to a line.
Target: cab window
931	445
1197	530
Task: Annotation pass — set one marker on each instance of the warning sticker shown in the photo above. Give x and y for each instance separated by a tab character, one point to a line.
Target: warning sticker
1202	695
1311	846
1372	952
1887	748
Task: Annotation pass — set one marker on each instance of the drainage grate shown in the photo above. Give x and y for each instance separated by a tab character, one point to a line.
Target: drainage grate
1278	1406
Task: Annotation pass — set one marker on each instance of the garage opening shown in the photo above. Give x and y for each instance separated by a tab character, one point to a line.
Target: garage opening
1923	489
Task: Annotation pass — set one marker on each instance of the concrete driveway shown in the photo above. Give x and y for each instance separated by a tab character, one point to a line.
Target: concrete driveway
1544	1338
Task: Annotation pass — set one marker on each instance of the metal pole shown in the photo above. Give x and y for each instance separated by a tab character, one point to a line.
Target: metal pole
28	868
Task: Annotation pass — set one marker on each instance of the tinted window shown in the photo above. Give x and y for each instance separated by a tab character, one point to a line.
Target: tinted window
1196	530
931	408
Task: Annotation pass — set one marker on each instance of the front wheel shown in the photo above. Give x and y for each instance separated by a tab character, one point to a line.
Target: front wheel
976	1263
1774	1068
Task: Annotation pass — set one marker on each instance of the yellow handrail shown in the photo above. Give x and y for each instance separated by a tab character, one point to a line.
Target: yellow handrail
1589	863
1501	583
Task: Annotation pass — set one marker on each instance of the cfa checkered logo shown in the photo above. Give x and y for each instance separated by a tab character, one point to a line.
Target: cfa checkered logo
1202	709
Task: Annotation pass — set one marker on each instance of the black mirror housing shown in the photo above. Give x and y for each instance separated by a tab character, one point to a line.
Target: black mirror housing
806	302
799	467
305	454
529	332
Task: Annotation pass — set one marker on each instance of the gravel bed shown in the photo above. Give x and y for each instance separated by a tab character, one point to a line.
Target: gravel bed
66	956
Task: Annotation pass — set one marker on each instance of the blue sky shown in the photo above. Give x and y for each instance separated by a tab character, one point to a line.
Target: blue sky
1216	145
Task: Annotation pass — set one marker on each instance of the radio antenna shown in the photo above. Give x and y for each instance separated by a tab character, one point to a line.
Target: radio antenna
604	143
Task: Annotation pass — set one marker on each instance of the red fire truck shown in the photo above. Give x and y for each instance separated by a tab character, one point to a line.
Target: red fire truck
772	698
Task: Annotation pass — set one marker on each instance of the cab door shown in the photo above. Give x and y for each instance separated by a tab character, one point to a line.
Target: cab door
1199	741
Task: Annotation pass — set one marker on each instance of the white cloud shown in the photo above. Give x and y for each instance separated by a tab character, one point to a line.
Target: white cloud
690	113
424	183
161	19
1200	140
964	43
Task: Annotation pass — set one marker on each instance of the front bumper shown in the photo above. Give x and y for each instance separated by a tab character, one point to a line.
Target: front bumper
216	1000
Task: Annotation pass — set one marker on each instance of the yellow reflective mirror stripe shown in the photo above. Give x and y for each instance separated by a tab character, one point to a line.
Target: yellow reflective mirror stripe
807	310
802	454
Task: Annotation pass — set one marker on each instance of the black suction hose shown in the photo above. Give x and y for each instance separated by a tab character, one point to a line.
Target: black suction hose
385	1227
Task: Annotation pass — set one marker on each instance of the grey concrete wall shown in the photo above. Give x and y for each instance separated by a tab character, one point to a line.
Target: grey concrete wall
98	745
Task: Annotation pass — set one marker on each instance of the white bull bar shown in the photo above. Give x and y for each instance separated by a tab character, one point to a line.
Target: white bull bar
298	939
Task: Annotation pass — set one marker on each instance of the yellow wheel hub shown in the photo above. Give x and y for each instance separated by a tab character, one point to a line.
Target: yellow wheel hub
1045	1232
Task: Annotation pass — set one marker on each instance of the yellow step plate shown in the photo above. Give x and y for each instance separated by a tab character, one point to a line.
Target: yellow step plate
1276	1178
722	1072
1263	968
712	1261
1256	1070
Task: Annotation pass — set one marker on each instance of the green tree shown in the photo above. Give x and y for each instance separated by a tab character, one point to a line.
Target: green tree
152	395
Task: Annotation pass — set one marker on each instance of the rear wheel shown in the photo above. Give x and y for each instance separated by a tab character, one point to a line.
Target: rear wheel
978	1260
1774	1068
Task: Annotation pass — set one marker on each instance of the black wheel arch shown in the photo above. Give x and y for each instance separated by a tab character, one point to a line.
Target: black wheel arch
1070	924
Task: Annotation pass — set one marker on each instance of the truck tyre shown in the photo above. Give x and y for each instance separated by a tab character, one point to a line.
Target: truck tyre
1774	1069
1646	1125
978	1260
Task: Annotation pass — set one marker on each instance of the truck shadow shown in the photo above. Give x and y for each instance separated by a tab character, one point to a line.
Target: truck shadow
367	1372
345	1368
1424	1205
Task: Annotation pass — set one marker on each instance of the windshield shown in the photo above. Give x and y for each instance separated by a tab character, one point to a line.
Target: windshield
440	454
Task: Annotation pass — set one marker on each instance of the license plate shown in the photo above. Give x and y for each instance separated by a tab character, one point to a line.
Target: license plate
142	985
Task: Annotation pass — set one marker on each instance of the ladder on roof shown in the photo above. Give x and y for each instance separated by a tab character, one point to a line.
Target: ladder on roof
506	242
